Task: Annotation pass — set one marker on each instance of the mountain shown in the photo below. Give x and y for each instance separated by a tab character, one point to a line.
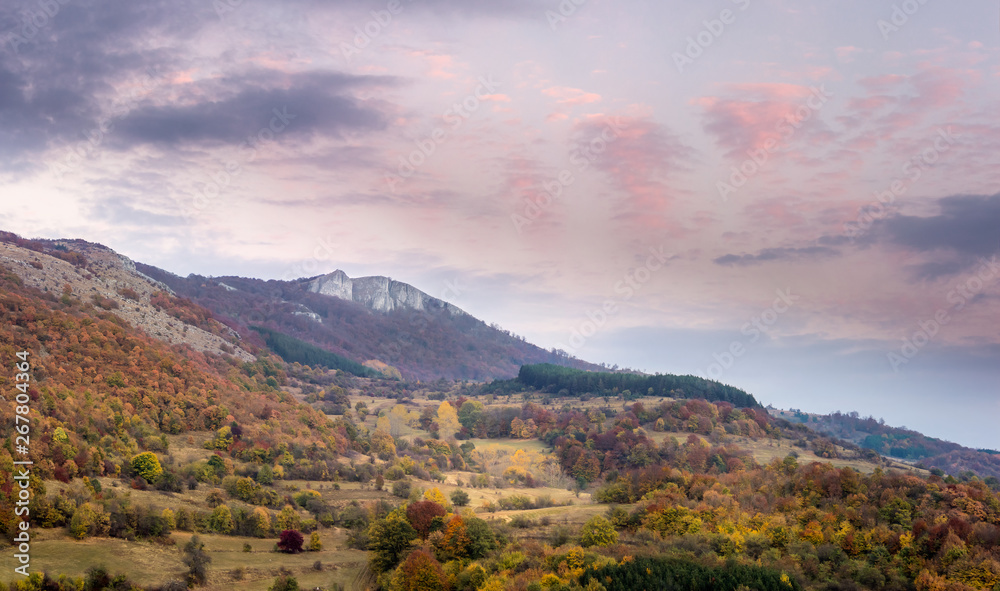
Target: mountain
367	319
899	443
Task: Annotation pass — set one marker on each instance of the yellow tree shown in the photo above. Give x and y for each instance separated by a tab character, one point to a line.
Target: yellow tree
447	419
398	418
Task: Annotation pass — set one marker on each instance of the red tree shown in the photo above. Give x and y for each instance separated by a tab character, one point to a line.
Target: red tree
290	541
421	515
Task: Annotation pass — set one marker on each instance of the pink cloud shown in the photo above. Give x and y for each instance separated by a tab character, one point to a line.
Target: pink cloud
438	65
758	118
639	159
847	53
565	95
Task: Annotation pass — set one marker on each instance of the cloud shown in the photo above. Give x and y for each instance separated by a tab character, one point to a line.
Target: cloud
966	228
310	103
639	155
776	254
759	116
565	95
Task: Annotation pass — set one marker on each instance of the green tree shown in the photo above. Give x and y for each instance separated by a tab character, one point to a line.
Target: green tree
459	497
147	465
221	520
389	538
598	531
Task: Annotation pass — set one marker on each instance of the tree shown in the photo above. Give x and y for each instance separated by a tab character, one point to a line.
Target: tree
389	538
434	494
315	544
221	519
459	498
290	541
261	522
471	415
447	420
88	520
482	540
147	465
587	467
197	560
288	518
383	445
455	542
598	531
419	572
421	516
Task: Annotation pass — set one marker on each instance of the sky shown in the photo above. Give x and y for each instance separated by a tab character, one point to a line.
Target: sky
801	199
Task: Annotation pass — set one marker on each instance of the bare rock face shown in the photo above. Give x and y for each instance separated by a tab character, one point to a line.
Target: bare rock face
378	293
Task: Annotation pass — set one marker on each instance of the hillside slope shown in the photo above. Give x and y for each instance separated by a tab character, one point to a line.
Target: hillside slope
102	391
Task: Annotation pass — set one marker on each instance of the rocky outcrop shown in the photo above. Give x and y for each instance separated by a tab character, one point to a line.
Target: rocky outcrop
378	293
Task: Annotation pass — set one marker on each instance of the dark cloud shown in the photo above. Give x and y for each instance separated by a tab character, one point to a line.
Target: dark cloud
965	230
314	103
967	226
776	254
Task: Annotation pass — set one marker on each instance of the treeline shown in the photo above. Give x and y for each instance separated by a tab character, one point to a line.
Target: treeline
293	350
675	573
566	381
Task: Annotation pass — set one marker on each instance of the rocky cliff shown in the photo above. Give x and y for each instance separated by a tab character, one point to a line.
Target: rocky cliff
381	294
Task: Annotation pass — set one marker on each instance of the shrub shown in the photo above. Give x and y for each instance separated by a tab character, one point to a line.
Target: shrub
315	544
284	583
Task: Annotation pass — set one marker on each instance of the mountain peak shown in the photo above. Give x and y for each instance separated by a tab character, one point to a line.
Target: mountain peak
378	293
